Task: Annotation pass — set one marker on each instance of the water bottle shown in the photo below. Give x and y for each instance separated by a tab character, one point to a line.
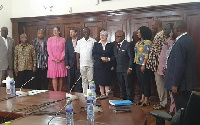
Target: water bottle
12	87
90	110
7	123
69	113
93	91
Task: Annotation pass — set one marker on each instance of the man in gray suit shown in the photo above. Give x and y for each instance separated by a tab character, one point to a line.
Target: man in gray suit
7	55
123	52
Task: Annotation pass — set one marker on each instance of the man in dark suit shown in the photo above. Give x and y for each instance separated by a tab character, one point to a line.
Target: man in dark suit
181	67
123	52
70	62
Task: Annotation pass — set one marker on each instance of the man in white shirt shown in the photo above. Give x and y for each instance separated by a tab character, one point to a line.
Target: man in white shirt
7	45
84	59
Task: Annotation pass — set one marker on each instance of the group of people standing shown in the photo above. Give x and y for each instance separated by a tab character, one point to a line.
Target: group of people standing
170	55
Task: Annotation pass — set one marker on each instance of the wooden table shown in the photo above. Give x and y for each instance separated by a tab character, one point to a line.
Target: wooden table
40	108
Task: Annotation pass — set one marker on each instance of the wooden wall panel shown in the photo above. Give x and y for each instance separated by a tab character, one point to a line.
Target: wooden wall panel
194	31
170	19
31	32
112	26
95	29
15	32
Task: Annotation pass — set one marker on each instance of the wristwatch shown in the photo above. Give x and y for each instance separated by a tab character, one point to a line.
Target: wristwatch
143	64
130	68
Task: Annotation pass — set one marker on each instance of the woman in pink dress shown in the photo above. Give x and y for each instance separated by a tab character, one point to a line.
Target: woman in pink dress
56	63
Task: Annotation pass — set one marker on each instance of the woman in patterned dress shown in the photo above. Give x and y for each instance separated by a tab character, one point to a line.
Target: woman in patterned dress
142	48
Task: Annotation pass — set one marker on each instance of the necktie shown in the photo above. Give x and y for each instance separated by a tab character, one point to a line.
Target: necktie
118	47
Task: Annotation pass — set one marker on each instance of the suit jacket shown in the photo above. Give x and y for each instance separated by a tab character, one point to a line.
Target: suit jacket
98	52
70	54
124	58
181	67
6	55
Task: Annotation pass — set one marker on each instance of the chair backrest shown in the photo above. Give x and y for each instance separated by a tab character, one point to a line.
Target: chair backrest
192	111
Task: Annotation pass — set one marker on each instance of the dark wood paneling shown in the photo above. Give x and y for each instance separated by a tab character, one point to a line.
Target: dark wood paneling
95	29
128	20
112	26
194	31
31	32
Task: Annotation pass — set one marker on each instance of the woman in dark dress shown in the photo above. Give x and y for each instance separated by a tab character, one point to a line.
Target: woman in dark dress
104	57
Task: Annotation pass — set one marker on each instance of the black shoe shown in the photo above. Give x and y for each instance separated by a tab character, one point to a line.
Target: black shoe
145	104
139	103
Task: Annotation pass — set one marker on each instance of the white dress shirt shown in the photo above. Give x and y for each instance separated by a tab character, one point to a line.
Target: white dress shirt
104	46
84	48
6	42
74	43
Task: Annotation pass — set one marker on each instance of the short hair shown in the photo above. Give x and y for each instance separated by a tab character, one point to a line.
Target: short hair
23	35
40	30
75	30
145	32
86	28
158	22
103	32
4	28
121	31
181	24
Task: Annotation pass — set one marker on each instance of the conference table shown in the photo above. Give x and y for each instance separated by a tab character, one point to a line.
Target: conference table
40	106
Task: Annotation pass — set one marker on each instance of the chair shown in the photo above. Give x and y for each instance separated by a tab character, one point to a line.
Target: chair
188	116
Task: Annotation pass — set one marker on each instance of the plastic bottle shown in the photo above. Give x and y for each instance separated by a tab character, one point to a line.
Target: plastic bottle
93	91
12	87
7	123
69	113
7	82
90	110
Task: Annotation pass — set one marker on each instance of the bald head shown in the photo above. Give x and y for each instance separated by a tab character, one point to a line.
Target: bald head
180	26
119	36
4	32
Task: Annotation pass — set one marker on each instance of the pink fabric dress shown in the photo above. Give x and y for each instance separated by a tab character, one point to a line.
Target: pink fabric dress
56	50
